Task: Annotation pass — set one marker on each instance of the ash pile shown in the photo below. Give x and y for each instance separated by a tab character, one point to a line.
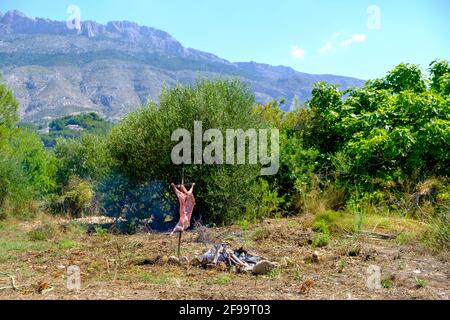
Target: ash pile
239	261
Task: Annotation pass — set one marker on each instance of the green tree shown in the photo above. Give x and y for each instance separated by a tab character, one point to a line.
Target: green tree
8	108
26	169
326	107
141	144
86	158
440	76
38	164
404	77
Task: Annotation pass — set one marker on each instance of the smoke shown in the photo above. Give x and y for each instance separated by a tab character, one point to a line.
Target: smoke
150	204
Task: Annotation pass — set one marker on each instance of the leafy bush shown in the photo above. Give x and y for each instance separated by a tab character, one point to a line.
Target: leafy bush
267	203
321	236
14	188
86	158
77	199
26	169
320	240
377	142
38	164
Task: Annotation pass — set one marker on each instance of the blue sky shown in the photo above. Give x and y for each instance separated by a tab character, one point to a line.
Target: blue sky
356	38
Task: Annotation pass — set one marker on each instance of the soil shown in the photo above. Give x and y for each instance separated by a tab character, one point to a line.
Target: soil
119	267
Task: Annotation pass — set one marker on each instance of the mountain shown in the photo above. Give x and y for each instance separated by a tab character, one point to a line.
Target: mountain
114	68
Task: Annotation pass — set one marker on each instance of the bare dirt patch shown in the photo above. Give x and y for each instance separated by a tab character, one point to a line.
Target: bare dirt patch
111	266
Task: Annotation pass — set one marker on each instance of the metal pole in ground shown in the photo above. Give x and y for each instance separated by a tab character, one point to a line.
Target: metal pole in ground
179	237
179	245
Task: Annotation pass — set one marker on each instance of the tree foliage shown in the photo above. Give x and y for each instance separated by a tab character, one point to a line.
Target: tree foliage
141	144
26	169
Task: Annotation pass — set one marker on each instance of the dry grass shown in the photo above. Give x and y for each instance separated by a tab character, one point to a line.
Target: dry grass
111	265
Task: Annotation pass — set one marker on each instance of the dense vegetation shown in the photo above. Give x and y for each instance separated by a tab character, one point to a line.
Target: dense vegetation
381	148
62	127
26	169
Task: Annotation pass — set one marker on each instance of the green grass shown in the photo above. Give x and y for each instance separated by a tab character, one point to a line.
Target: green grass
154	279
407	230
321	227
420	283
14	242
342	265
387	283
99	231
66	244
220	279
320	240
321	236
256	234
45	232
9	248
298	277
76	228
243	224
358	222
275	273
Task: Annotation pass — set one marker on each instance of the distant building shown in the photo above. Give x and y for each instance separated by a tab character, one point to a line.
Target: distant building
74	127
44	130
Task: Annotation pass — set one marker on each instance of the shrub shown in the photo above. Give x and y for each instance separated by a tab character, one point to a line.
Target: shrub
267	202
321	236
320	240
321	226
86	158
78	199
14	188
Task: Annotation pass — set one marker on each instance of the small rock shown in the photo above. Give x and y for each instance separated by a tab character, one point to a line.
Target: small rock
263	267
315	258
244	269
174	260
163	260
184	260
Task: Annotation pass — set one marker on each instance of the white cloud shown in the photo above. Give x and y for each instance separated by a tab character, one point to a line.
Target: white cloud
354	38
297	52
330	46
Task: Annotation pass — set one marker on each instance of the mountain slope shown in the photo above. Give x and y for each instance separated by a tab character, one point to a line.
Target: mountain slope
114	68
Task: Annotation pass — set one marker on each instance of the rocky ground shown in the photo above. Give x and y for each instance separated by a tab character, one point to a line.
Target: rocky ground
120	266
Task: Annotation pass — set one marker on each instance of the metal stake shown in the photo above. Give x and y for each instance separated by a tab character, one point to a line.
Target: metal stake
179	245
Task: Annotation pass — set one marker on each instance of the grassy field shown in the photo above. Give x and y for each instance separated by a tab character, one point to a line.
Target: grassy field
37	253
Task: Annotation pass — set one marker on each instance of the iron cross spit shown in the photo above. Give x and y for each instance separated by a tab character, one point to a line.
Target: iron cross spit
187	203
